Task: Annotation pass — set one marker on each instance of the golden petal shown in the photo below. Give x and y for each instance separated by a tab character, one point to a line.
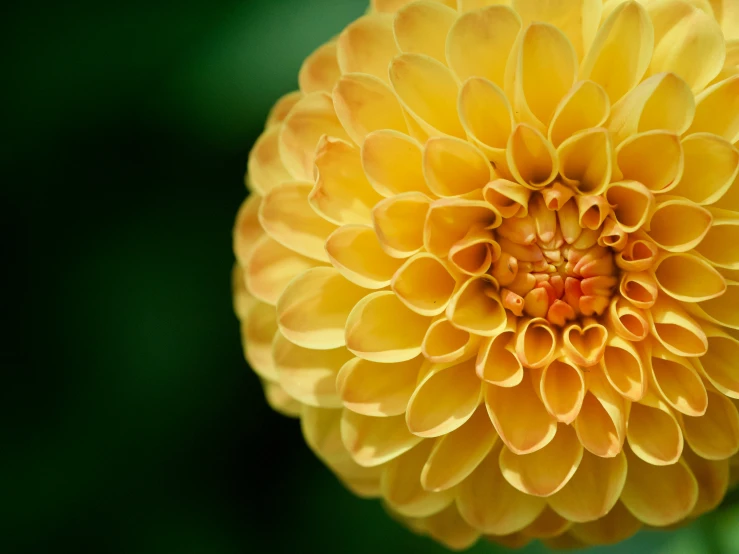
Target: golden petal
312	117
367	45
531	158
601	424
381	328
444	343
475	253
676	330
497	362
562	389
424	284
313	310
280	401
715	435
457	454
453	167
663	101
444	399
654	433
632	204
717	110
586	160
546	471
364	104
628	321
247	230
549	524
421	28
375	389
271	267
616	526
639	253
450	219
393	163
713	481
519	417
308	375
320	70
585	345
475	307
373	441
242	300
721	243
511	511
535	342
621	51
428	92
401	485
688	278
585	106
654	158
641	289
678	225
451	530
265	167
282	107
322	431
593	490
711	167
399	223
624	368
257	333
718	365
659	495
479	42
721	310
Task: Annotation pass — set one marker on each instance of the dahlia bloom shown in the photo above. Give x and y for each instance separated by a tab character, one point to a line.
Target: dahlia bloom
490	260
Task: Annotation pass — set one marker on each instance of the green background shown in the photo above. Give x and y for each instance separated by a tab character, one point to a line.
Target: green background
129	420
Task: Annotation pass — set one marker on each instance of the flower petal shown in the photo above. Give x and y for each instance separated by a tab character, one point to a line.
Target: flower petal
372	441
313	310
399	223
711	167
688	278
676	330
265	168
654	433
445	343
376	389
624	369
721	310
280	401
424	284
586	160
632	204
721	243
616	526
717	110
718	365
322	431
546	471
531	158
715	435
450	219
585	106
562	389
641	289
475	307
654	158
257	333
320	70
393	163
453	167
713	481
497	362
535	343
549	524
601	424
451	530
678	225
282	107
247	230
421	28
381	328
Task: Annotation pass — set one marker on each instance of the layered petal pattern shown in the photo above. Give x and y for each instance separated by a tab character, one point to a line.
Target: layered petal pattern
490	259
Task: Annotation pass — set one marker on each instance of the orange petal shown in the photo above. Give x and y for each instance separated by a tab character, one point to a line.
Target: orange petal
585	345
424	284
549	524
675	329
713	481
654	433
616	526
678	225
562	389
453	167
451	530
445	343
601	424
624	369
372	441
535	343
476	307
715	435
688	278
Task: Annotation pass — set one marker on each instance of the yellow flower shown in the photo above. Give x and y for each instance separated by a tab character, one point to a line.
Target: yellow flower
490	259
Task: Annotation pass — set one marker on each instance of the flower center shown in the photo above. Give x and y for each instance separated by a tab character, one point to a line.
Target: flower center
551	267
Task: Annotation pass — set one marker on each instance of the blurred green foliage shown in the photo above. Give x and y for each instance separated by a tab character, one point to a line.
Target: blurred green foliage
130	422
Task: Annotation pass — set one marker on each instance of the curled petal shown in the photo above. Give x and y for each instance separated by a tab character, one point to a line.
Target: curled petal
393	163
711	167
531	158
594	489
308	375
401	485
422	27
428	92
312	117
342	193
585	345
639	254
621	51
372	441
512	510
457	454
601	424
535	343
721	243
453	167
474	254
355	251
715	435
381	328
479	42
444	399
593	210
585	106
683	38
718	365
265	168
546	471
541	69
641	289
615	526
632	204
424	284
688	278
450	219
678	225
629	322
624	368
586	160
367	45
653	158
257	333
721	310
399	223
497	362
717	110
663	101
376	389
676	330
659	495
519	417
446	343
364	104
320	70
654	433
313	310
487	119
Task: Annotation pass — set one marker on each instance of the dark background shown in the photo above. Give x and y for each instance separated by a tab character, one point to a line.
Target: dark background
129	421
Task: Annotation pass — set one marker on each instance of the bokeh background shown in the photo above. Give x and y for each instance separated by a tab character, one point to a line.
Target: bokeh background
129	421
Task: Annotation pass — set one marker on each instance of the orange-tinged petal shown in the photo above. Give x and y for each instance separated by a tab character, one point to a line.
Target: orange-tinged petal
372	441
265	168
421	28
654	433
446	343
546	471
457	454
678	225
713	481
381	328
451	530
453	167
715	435
675	329
593	490
549	524
688	278
616	526
376	389
659	495
444	399
585	344
562	389
601	423
424	284
313	310
535	342
624	368
476	307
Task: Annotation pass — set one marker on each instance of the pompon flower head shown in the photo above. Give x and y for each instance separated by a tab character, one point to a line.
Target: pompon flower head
490	260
